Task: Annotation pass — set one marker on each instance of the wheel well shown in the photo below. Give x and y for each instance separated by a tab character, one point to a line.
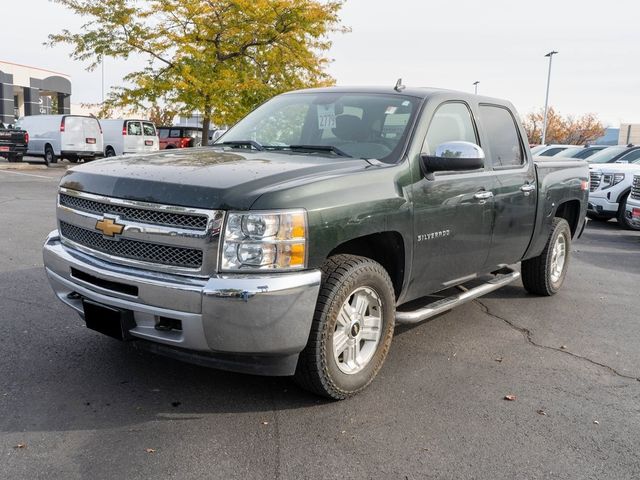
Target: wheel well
386	248
50	146
570	211
621	196
109	147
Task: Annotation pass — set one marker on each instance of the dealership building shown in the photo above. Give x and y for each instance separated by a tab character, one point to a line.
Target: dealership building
32	91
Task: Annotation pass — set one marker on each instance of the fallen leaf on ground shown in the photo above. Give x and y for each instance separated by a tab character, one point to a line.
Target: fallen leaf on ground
265	423
511	398
150	450
498	359
541	412
563	347
21	445
596	422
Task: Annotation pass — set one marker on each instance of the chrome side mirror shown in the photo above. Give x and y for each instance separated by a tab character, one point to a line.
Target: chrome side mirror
454	156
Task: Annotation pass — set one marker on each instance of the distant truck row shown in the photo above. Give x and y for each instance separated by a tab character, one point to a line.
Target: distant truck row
77	137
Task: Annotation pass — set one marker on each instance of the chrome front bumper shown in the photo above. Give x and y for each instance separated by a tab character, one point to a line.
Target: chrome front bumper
252	316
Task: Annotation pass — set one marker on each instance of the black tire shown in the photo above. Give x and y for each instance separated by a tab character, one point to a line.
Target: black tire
109	152
622	215
317	369
18	158
598	218
49	156
537	271
11	158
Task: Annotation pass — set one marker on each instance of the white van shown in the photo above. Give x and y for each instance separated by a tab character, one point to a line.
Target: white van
129	136
54	137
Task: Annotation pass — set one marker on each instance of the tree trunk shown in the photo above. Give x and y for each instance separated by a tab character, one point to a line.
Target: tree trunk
206	122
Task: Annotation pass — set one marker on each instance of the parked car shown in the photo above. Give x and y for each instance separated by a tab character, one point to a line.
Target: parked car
632	210
126	136
610	188
179	137
13	142
617	153
549	150
215	134
295	244
53	137
580	153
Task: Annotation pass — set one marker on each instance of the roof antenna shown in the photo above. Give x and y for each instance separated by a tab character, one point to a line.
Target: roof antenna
399	86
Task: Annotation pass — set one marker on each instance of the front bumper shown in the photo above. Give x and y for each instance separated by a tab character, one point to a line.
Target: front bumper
602	205
249	323
633	205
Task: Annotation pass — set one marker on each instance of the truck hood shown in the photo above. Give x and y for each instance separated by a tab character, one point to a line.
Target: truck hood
205	177
615	167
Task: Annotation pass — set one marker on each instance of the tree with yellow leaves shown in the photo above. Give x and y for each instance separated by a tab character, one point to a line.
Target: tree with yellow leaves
568	130
221	58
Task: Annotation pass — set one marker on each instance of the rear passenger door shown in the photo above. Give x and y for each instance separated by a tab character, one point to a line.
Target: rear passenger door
515	191
453	211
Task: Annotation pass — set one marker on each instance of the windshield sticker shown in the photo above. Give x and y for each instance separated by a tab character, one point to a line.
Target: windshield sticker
326	116
390	110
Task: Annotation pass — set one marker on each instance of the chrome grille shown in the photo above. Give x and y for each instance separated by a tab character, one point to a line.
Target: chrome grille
595	178
164	238
154	217
635	187
141	251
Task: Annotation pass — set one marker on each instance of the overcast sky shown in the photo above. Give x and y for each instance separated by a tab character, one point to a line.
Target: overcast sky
448	44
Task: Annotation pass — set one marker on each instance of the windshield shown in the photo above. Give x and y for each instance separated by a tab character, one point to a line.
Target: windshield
569	152
606	155
343	124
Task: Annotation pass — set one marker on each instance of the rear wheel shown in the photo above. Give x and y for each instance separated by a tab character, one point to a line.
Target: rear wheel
544	274
352	328
49	156
622	215
109	152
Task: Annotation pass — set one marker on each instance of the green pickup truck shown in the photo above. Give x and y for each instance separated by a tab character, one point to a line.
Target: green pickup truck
296	243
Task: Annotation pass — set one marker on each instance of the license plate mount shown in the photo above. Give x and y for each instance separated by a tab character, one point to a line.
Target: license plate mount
109	321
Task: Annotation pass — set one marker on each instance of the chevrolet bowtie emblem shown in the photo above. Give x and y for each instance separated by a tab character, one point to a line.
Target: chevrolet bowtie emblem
109	227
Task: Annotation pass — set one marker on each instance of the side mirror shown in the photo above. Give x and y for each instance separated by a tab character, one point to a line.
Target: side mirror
453	156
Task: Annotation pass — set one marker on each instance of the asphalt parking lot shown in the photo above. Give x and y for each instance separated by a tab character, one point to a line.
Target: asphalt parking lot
76	404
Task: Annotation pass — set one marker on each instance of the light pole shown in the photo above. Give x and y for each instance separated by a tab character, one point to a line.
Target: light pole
475	84
546	98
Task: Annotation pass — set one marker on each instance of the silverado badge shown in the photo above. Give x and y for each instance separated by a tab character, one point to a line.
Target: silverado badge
109	227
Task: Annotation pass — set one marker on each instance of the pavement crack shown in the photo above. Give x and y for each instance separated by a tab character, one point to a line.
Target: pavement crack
528	336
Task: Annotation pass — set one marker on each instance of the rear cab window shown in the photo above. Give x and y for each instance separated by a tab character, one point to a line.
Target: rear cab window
503	137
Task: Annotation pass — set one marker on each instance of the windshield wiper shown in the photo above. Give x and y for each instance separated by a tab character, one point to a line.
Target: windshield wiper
319	148
242	144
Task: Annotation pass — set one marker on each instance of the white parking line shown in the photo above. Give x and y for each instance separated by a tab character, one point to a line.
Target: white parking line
29	175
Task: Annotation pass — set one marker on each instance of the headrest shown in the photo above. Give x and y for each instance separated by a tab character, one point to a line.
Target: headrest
350	128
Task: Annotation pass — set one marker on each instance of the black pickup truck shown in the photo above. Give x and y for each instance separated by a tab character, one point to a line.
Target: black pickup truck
13	143
296	243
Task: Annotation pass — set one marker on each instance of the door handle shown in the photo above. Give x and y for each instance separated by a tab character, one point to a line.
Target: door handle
528	187
483	195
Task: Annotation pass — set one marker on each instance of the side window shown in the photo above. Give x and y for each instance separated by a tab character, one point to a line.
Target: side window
134	128
551	152
630	157
175	133
163	132
503	137
451	122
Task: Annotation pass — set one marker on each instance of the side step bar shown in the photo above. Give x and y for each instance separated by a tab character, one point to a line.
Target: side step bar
439	306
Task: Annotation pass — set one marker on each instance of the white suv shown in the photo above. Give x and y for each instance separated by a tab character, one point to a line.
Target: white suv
632	213
609	190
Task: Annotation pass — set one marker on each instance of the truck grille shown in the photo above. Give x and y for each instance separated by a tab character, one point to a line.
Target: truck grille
635	187
595	178
141	251
154	217
164	238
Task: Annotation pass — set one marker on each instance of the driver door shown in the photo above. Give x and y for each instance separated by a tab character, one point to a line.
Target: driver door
453	211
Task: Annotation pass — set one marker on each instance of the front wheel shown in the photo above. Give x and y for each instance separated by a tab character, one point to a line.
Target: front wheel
352	328
544	274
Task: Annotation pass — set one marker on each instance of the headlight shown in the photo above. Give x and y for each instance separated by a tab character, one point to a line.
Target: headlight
611	179
265	240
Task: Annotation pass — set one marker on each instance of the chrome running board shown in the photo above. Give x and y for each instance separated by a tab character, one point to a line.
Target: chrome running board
501	279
